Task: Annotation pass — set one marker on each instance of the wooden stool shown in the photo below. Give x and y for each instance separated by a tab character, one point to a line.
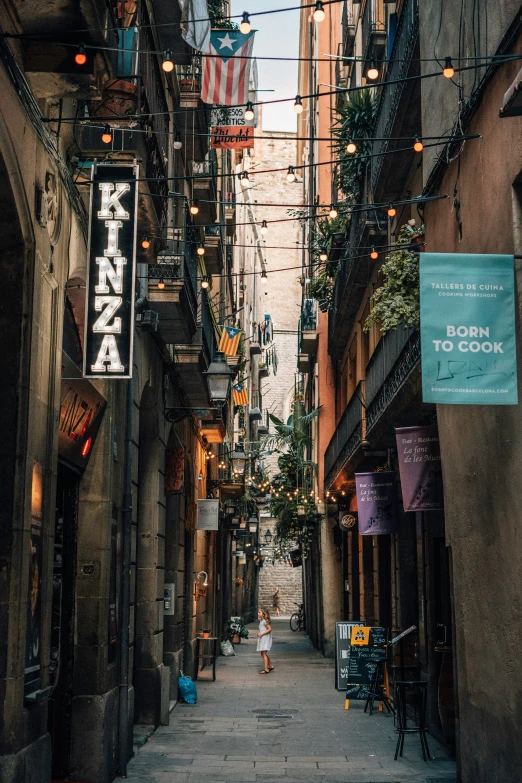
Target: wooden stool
419	691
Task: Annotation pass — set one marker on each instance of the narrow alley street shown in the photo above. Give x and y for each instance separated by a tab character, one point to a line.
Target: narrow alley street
290	724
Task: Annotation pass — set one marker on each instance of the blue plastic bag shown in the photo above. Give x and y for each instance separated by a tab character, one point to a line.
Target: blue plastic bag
187	690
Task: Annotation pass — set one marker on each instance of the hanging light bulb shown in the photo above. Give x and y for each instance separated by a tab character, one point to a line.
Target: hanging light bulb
372	72
323	257
351	147
290	174
374	254
391	211
80	58
145	243
264	276
107	135
319	12
249	111
264	227
333	212
418	145
244	180
205	282
448	70
161	284
200	251
194	208
244	27
298	105
177	142
167	64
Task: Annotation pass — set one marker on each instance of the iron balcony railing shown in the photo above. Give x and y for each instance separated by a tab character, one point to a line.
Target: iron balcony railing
348	435
205	321
309	315
348	30
373	22
396	71
177	261
395	357
205	168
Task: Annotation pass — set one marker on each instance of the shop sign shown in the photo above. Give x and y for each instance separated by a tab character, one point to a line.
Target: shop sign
420	468
377	503
231	138
232	116
174	470
81	413
468	346
347	520
109	319
208	515
343	635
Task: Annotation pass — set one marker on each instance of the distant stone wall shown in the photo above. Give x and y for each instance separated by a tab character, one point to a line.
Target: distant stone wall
288	579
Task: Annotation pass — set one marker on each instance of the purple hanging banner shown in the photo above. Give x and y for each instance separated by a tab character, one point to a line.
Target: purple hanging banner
377	503
418	451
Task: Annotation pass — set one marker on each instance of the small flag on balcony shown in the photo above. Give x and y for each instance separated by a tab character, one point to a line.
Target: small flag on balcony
226	72
229	341
240	395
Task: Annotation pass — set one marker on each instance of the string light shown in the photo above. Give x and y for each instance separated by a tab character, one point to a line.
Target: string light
298	105
249	111
243	178
448	70
264	227
107	135
205	282
333	212
177	142
264	276
167	64
374	254
290	174
391	211
200	251
245	27
323	257
161	284
351	147
418	145
145	243
319	13
372	72
80	58
194	208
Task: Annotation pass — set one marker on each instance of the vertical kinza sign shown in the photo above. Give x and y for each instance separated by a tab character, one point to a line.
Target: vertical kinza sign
109	317
468	346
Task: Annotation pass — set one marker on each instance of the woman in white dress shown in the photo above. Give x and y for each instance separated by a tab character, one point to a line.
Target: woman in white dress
264	640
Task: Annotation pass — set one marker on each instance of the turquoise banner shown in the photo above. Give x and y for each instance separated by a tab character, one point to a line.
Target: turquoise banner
468	347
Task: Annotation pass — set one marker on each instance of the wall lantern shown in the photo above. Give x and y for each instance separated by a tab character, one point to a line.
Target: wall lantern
238	460
218	379
252	524
268	537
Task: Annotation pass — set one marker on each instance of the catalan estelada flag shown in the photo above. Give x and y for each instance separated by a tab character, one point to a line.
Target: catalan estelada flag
229	342
240	395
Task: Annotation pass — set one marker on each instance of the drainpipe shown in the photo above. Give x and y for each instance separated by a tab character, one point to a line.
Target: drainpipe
126	528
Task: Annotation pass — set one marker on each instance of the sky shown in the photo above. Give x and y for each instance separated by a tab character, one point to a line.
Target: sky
277	35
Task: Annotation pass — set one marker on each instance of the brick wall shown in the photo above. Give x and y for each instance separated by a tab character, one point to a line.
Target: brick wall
288	579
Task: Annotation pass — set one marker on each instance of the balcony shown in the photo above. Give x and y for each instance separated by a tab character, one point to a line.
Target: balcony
193	358
348	31
50	68
205	188
230	213
193	125
308	327
214	249
366	228
348	436
392	374
398	111
172	286
374	34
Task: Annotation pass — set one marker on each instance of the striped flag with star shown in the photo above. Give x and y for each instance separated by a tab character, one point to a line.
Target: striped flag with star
240	394
229	341
226	73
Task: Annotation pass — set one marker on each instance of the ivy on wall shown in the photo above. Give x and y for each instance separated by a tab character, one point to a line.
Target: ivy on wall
218	12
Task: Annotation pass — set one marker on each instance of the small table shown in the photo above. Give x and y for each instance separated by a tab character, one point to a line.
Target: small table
207	649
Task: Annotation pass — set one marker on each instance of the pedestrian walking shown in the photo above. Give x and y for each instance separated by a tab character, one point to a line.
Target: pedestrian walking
275	602
264	640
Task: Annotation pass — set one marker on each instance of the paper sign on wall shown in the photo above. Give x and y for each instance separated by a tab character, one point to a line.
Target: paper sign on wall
208	515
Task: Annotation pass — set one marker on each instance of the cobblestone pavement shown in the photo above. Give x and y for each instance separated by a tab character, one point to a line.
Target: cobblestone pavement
287	726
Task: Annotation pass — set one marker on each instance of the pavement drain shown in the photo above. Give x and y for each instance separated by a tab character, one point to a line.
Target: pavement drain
271	711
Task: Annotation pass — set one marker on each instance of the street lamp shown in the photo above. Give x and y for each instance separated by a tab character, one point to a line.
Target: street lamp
252	524
203	573
268	537
218	379
238	460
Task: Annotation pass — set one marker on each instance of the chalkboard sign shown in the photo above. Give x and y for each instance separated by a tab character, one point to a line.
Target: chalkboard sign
367	648
343	635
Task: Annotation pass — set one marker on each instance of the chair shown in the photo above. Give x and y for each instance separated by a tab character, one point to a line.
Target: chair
414	692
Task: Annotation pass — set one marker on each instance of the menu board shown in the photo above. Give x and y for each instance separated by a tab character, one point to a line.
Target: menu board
343	635
367	648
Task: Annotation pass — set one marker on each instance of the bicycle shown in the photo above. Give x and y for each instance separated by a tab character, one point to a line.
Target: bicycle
297	619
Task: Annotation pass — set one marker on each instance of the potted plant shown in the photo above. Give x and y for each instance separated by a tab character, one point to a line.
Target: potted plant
236	630
205	633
